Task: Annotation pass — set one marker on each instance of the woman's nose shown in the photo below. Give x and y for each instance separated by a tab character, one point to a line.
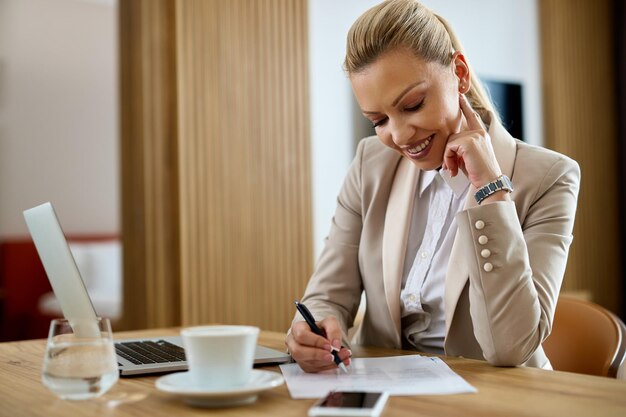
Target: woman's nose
401	133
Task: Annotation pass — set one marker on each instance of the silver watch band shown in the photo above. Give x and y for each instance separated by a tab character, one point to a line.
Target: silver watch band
501	183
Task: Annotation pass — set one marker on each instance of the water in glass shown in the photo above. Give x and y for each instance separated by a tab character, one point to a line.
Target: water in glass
80	361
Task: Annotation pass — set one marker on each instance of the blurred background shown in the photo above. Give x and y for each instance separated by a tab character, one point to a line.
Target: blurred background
193	149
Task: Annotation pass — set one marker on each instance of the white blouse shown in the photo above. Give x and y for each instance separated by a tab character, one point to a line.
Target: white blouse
438	198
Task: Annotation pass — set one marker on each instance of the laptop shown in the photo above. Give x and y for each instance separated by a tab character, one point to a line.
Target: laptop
134	356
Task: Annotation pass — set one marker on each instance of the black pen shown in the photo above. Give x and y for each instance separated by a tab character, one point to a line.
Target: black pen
308	317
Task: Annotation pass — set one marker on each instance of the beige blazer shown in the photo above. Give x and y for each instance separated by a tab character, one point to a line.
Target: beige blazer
502	315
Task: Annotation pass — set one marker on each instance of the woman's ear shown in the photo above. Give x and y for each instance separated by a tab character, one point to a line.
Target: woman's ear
461	72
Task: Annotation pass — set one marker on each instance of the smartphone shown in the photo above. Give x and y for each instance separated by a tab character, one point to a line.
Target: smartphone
350	404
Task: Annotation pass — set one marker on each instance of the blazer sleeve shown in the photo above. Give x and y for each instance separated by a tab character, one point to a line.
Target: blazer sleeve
335	287
517	269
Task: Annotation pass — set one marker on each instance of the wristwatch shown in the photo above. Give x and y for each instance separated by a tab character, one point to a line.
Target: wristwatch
501	183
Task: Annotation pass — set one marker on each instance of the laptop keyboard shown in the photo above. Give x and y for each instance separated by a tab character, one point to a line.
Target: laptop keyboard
150	352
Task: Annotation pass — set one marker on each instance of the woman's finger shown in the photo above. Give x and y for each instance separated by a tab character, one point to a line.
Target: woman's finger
331	327
314	365
309	354
313	352
450	158
473	119
303	335
312	359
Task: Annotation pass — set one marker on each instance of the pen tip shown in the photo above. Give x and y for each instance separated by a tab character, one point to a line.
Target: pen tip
343	368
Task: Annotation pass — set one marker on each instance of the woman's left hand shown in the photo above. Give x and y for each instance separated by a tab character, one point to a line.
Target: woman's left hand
470	150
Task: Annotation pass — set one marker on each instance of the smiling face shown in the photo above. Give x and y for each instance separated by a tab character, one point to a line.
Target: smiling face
413	104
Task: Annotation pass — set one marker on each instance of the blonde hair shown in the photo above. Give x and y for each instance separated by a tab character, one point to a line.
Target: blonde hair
398	24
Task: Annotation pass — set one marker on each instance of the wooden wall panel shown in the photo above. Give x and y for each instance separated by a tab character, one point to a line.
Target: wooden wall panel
215	161
577	56
245	221
149	164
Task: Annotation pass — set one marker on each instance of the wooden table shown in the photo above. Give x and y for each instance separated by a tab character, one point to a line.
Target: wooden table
501	391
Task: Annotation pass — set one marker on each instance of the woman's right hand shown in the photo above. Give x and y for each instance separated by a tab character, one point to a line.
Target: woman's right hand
313	352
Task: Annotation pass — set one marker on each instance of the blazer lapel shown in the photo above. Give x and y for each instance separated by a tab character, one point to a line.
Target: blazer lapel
505	149
396	230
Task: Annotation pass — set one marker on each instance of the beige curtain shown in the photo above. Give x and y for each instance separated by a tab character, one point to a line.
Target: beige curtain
215	155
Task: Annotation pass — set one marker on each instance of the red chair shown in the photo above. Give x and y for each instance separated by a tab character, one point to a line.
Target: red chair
24	281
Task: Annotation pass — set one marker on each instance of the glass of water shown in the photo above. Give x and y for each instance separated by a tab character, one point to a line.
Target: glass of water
80	361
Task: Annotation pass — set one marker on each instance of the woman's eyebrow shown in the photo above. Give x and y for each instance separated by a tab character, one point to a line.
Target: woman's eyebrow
406	90
402	94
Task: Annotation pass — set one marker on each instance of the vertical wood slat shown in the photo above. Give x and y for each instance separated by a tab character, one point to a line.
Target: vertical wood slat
580	122
149	164
245	221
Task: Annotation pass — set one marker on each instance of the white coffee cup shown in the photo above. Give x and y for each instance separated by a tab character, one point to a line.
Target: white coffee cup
220	356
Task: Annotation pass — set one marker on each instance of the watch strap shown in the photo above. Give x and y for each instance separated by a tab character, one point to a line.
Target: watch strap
501	183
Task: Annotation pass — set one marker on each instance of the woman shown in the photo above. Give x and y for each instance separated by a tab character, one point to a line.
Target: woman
452	259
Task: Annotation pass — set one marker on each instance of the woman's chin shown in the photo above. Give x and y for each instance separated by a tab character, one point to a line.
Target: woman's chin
427	164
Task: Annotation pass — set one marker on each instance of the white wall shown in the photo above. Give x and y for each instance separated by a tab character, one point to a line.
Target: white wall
331	105
58	99
59	113
500	38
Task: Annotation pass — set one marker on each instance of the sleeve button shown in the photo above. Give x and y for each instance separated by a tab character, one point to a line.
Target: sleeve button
488	267
482	239
480	225
485	253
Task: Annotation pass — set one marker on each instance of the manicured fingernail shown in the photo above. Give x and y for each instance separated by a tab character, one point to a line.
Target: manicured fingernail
337	344
350	352
329	358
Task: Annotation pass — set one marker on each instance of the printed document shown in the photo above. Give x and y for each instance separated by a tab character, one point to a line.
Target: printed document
398	375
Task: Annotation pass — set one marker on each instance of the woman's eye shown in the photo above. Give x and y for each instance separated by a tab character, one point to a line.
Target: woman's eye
379	122
415	107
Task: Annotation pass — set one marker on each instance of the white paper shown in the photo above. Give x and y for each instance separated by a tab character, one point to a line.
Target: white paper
398	375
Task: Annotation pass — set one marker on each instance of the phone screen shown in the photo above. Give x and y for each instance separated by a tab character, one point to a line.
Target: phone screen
350	399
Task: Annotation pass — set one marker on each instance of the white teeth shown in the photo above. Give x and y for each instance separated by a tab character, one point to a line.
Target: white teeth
420	147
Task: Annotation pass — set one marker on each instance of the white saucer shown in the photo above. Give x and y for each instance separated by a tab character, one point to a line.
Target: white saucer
180	384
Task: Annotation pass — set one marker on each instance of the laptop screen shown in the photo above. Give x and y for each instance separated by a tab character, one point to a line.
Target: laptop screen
58	262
